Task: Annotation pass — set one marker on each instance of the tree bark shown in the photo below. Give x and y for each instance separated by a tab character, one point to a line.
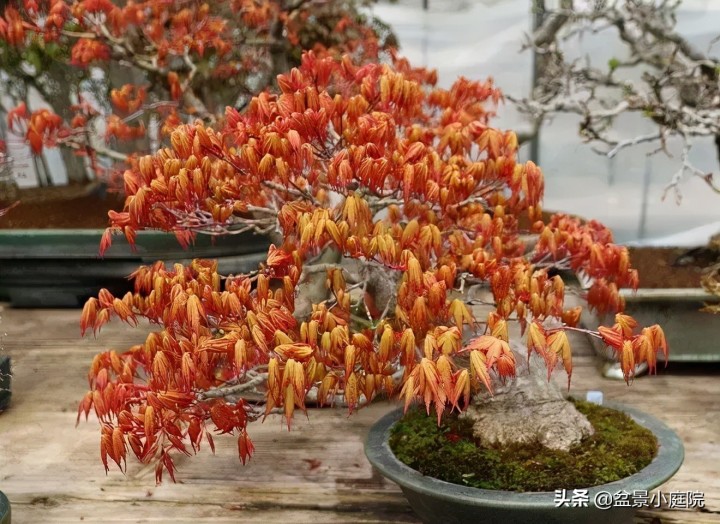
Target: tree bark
528	409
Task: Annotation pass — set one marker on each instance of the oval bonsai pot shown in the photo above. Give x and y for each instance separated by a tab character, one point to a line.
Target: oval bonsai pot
438	501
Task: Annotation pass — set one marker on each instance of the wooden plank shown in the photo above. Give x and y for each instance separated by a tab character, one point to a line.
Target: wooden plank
88	511
676	517
51	470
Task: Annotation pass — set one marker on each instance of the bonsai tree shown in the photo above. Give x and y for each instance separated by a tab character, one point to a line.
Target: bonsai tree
115	77
400	199
661	76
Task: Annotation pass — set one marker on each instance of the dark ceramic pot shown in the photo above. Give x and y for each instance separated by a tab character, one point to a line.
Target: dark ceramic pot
4	509
5	382
438	501
61	268
691	333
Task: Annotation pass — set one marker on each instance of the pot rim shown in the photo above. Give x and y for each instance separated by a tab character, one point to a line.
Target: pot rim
44	244
665	464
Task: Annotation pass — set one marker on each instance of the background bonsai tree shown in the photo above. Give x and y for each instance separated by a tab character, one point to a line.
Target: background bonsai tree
417	199
661	76
114	77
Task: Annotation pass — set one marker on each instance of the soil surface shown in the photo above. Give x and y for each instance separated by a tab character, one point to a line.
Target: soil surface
451	452
661	267
70	207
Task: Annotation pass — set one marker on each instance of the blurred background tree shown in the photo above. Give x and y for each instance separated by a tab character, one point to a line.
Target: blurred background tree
661	76
104	80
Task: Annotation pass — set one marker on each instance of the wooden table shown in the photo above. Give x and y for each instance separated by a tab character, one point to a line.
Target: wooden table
51	470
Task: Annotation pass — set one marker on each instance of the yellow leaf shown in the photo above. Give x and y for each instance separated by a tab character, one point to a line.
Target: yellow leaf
557	341
327	387
386	344
414	273
559	346
408	390
449	341
407	345
149	421
536	339
282	338
274	382
240	354
296	350
659	341
194	312
627	360
349	360
500	330
479	369
491	347
289	402
445	374
644	349
461	388
352	394
626	323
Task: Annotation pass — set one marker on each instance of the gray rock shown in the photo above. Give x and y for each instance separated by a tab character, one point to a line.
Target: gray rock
528	409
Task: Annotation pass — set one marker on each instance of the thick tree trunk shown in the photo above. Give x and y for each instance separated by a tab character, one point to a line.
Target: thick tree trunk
528	409
313	290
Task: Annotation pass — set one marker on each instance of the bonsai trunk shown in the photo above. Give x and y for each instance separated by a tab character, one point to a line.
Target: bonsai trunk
61	100
528	409
74	166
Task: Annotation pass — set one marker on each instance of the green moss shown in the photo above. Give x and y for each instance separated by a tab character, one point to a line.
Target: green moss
619	448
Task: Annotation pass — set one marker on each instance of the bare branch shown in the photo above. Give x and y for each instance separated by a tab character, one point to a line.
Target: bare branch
227	391
686	167
678	90
633	142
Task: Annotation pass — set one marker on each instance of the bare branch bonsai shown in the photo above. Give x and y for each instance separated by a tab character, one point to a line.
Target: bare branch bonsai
678	89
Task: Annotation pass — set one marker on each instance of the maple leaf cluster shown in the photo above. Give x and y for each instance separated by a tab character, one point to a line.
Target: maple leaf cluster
377	163
137	63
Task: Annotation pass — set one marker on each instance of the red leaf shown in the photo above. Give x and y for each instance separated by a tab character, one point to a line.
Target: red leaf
245	447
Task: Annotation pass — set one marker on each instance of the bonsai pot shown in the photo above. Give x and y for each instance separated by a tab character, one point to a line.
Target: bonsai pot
4	509
5	378
691	333
62	267
670	294
4	401
438	501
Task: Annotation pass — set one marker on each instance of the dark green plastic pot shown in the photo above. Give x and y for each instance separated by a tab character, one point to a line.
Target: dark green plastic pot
62	268
438	501
691	333
5	380
4	509
4	402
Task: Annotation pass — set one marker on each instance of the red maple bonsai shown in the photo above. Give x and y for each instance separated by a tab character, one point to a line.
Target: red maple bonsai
418	198
114	77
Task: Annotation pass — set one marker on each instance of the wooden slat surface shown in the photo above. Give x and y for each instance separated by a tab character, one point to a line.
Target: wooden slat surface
51	470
